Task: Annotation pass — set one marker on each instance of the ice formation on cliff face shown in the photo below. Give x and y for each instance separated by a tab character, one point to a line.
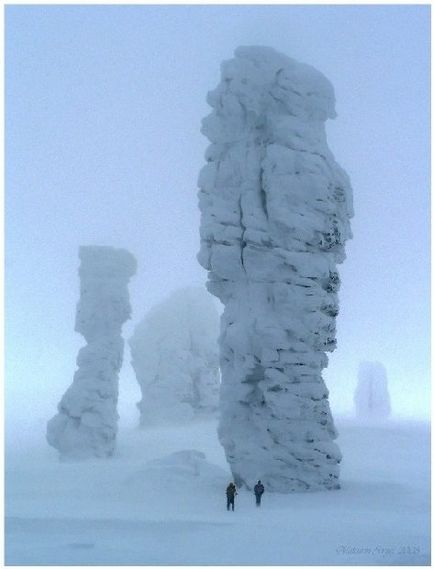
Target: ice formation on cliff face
275	217
86	422
175	356
371	397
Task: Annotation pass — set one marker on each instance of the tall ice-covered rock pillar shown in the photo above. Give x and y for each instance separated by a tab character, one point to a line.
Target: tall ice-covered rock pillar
275	217
86	422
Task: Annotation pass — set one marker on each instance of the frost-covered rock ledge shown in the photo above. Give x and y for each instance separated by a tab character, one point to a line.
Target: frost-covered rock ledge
275	217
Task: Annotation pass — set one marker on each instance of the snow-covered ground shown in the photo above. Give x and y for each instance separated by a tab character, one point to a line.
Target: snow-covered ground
150	506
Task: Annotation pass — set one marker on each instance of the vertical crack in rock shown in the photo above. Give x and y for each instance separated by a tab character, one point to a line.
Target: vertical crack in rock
263	195
273	266
243	231
86	422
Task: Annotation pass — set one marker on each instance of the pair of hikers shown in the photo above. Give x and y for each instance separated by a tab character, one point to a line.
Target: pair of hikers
231	492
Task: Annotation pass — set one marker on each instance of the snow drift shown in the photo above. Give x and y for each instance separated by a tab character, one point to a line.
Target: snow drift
275	217
86	422
181	471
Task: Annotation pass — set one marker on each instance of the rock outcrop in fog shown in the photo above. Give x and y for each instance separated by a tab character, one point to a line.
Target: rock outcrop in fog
175	356
275	217
86	422
371	397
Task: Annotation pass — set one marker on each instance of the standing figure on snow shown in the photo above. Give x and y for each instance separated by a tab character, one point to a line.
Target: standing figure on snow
231	492
259	490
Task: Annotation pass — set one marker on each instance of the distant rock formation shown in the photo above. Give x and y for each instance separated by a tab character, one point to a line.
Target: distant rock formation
275	217
175	356
371	397
86	422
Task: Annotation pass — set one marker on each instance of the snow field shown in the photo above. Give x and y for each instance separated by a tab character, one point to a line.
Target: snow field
159	501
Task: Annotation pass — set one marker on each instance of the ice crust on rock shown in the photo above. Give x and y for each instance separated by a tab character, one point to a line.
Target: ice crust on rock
371	397
174	353
275	210
86	422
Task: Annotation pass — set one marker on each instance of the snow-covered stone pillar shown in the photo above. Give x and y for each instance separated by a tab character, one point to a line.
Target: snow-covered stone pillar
371	397
175	356
275	217
86	423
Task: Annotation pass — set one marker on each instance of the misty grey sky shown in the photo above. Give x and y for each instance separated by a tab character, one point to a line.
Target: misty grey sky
103	146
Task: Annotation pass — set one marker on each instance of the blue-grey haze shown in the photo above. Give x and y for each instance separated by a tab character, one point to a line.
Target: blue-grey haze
103	146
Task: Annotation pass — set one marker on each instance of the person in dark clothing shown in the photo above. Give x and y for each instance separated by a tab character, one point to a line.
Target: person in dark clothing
259	490
231	492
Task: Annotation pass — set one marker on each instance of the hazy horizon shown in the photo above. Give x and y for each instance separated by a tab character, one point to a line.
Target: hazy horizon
103	146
